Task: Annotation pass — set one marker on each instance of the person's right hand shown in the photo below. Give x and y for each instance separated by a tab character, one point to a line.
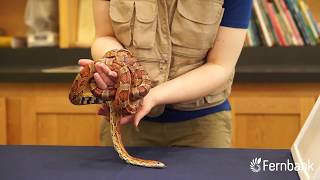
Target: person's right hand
104	76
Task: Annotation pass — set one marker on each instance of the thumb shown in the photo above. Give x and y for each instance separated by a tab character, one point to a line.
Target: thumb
139	115
83	62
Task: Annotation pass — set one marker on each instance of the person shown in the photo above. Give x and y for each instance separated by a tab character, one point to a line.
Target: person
190	50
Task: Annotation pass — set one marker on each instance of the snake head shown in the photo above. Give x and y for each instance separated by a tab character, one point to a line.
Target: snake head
161	165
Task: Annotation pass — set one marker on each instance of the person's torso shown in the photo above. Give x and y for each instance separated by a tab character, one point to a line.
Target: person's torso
170	38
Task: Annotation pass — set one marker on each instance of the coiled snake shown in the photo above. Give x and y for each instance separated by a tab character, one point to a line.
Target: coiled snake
124	98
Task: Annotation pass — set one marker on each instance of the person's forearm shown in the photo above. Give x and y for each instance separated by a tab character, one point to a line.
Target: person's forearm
194	84
103	44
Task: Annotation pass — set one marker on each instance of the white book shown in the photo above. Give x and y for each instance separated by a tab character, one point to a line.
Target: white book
264	29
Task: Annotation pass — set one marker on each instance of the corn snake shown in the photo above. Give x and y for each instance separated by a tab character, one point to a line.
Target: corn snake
124	98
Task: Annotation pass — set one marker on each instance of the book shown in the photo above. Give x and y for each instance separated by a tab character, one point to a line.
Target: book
286	24
297	19
282	23
12	42
292	23
276	24
305	12
263	26
266	17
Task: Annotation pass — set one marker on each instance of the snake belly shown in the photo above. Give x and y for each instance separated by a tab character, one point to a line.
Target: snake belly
124	98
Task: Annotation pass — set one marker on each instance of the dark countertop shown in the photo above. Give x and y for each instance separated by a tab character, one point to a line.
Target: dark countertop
259	64
83	163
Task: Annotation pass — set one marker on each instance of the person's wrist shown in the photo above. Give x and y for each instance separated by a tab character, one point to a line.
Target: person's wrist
153	98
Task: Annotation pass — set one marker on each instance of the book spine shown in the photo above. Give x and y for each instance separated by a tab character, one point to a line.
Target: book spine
292	23
276	24
308	20
300	25
258	30
270	28
303	21
286	23
249	37
256	35
284	31
315	24
6	41
263	27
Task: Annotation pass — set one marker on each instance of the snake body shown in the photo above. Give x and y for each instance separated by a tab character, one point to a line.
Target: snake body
123	98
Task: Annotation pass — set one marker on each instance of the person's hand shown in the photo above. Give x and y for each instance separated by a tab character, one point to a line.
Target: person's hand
104	76
148	103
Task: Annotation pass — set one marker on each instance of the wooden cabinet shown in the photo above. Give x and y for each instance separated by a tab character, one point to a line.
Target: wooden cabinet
270	115
264	115
3	121
55	121
268	122
42	114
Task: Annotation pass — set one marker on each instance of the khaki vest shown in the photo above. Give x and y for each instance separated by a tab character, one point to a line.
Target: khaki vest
170	38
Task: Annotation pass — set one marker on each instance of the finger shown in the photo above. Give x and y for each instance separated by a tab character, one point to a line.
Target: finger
99	81
105	69
102	68
126	119
138	116
106	78
113	74
83	62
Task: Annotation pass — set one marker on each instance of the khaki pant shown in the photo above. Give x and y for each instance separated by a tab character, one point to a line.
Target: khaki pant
212	130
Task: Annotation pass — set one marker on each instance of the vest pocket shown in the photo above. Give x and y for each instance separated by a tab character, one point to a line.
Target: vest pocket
145	24
195	23
121	13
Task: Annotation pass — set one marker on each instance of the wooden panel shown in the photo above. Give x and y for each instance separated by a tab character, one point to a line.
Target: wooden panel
35	109
55	121
68	14
266	131
3	121
86	28
13	116
12	17
268	122
67	129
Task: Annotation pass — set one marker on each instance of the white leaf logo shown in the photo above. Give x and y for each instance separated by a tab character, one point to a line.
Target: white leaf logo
255	165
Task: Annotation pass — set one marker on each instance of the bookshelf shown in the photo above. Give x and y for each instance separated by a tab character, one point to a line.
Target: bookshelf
283	23
12	20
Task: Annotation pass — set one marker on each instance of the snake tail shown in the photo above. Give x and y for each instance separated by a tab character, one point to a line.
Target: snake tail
119	148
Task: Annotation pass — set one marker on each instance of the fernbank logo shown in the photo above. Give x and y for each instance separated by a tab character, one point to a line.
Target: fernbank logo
258	164
255	165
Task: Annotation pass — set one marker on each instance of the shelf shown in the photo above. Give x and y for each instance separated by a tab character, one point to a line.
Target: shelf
259	64
279	64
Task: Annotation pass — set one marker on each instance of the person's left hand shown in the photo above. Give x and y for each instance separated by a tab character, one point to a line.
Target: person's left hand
147	104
